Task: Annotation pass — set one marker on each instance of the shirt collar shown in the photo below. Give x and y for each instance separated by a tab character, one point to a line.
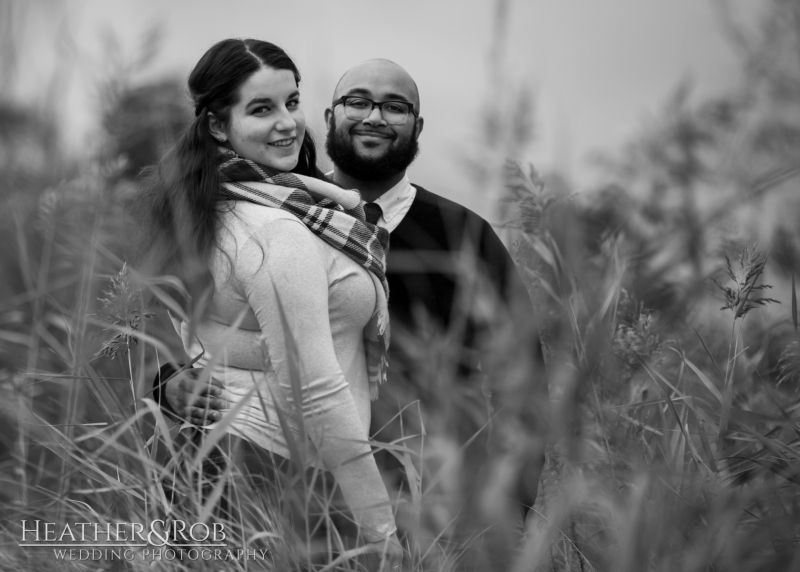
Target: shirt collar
396	200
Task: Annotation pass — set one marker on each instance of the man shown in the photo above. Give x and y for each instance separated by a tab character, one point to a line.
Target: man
444	262
450	278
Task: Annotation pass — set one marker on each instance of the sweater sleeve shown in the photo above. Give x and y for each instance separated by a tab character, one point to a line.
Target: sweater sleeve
282	270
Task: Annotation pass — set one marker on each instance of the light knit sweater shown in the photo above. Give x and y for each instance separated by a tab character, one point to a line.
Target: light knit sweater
285	283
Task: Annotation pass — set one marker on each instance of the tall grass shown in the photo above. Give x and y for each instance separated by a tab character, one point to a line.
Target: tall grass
672	430
671	446
674	449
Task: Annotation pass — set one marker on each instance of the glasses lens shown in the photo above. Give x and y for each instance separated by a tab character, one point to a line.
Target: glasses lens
395	112
357	108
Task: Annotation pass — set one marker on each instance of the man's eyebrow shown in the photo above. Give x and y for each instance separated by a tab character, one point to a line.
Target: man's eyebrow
397	97
389	96
359	91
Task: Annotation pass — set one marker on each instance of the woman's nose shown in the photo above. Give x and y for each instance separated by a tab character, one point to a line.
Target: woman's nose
286	121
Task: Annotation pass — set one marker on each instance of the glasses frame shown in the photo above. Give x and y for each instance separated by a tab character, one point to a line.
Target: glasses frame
378	104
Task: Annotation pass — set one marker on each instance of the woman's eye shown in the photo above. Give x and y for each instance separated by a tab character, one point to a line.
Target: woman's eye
261	110
293	104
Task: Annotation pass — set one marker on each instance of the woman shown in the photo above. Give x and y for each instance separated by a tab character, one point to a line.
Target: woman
288	296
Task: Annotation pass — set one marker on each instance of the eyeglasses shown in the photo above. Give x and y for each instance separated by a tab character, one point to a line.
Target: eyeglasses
359	108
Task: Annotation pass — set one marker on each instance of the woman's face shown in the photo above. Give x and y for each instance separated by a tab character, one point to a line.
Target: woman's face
267	124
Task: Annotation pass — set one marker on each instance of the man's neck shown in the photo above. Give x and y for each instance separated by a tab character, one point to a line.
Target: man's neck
370	190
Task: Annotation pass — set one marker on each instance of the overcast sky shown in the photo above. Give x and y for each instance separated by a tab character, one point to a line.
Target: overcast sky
597	68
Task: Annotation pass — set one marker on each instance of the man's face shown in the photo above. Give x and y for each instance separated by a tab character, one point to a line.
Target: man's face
372	149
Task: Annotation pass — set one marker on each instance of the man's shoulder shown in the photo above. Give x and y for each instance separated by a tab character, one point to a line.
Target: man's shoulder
452	224
429	201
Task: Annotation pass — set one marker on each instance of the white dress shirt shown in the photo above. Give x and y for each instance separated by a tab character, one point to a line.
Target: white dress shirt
394	203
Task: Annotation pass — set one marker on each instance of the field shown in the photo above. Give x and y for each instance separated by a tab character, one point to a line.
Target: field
665	298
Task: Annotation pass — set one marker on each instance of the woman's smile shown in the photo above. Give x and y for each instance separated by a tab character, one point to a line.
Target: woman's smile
284	142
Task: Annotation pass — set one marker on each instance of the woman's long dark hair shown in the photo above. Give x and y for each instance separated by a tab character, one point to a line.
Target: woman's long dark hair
177	212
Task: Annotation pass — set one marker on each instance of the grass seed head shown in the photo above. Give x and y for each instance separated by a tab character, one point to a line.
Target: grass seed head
122	308
739	298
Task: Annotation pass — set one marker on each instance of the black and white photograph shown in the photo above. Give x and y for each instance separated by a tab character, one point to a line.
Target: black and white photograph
422	286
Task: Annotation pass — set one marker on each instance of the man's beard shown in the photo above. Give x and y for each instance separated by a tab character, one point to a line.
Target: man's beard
342	152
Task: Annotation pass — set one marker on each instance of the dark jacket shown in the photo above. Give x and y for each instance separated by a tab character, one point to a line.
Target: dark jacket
457	299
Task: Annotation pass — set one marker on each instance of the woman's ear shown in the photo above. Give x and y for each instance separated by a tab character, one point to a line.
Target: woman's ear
217	128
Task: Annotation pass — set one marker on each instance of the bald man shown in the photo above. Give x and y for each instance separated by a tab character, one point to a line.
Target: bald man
446	268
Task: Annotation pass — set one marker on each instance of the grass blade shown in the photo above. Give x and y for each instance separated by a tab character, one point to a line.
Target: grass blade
794	305
704	378
708	351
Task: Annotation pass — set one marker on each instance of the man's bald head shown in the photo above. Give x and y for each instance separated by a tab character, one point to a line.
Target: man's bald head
380	78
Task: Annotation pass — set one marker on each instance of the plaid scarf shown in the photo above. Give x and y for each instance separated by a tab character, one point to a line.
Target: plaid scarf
333	214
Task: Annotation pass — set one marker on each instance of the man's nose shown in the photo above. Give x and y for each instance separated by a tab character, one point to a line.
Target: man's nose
375	117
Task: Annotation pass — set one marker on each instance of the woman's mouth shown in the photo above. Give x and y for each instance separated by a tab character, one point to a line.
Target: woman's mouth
283	142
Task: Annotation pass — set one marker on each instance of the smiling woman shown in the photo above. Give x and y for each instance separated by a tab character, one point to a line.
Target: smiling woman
291	318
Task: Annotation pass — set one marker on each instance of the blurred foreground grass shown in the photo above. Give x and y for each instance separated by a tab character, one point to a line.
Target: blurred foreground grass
674	431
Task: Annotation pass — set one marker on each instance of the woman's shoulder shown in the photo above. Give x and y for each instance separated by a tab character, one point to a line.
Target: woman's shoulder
254	213
254	234
250	230
262	223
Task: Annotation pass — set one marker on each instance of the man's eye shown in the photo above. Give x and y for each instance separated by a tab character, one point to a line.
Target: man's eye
294	104
395	108
357	103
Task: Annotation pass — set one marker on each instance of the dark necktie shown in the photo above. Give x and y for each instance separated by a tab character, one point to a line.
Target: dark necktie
373	212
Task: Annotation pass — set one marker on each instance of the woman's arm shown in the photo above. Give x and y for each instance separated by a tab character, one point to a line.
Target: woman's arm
283	270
